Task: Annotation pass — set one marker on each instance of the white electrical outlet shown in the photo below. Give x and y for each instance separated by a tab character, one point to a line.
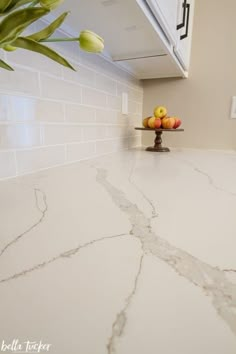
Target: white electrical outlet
233	108
124	108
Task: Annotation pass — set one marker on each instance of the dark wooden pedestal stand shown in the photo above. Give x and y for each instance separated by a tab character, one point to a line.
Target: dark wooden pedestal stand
158	141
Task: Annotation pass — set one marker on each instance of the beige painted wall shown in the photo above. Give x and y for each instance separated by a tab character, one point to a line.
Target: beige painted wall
203	100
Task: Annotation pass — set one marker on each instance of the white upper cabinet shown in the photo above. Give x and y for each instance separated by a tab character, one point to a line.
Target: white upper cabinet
175	18
140	35
166	13
182	48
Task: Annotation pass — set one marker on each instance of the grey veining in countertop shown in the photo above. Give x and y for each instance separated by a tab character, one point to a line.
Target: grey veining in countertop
129	253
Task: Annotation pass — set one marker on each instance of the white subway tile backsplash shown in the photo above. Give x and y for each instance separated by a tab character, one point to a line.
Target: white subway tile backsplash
3	108
95	132
37	62
107	116
131	131
114	102
103	83
21	80
80	151
17	107
123	118
117	131
31	109
61	134
36	159
82	76
108	68
19	136
121	144
51	115
45	111
135	120
132	107
133	94
111	117
139	108
79	114
69	50
135	141
60	90
7	164
92	97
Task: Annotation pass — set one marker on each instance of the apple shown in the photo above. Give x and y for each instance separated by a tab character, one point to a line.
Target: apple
157	123
177	122
160	112
168	123
151	122
145	122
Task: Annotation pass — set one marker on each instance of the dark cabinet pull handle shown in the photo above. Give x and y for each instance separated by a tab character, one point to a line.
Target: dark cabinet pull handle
182	24
187	25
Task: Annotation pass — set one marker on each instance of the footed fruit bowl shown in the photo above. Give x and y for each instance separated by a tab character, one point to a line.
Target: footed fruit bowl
158	140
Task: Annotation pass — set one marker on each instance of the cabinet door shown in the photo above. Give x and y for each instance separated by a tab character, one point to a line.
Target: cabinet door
166	11
185	27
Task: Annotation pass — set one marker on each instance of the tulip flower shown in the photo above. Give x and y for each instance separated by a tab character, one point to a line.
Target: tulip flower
91	42
50	4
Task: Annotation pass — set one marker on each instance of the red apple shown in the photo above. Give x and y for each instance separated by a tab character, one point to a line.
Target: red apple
177	123
151	122
168	123
157	123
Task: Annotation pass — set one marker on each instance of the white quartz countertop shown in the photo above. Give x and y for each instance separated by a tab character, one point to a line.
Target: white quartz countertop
130	253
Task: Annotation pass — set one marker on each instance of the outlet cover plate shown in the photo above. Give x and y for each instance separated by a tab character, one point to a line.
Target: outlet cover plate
233	108
125	103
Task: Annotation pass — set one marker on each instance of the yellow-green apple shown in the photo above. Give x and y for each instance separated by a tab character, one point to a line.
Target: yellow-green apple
145	122
157	123
177	122
160	112
151	122
168	123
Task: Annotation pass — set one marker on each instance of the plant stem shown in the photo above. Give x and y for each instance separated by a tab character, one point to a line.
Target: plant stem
60	39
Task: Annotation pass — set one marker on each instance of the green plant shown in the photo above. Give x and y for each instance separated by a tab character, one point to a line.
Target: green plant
17	15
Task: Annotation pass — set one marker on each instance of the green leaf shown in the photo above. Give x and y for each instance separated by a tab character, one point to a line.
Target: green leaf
14	4
29	44
49	30
4	4
15	23
5	65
